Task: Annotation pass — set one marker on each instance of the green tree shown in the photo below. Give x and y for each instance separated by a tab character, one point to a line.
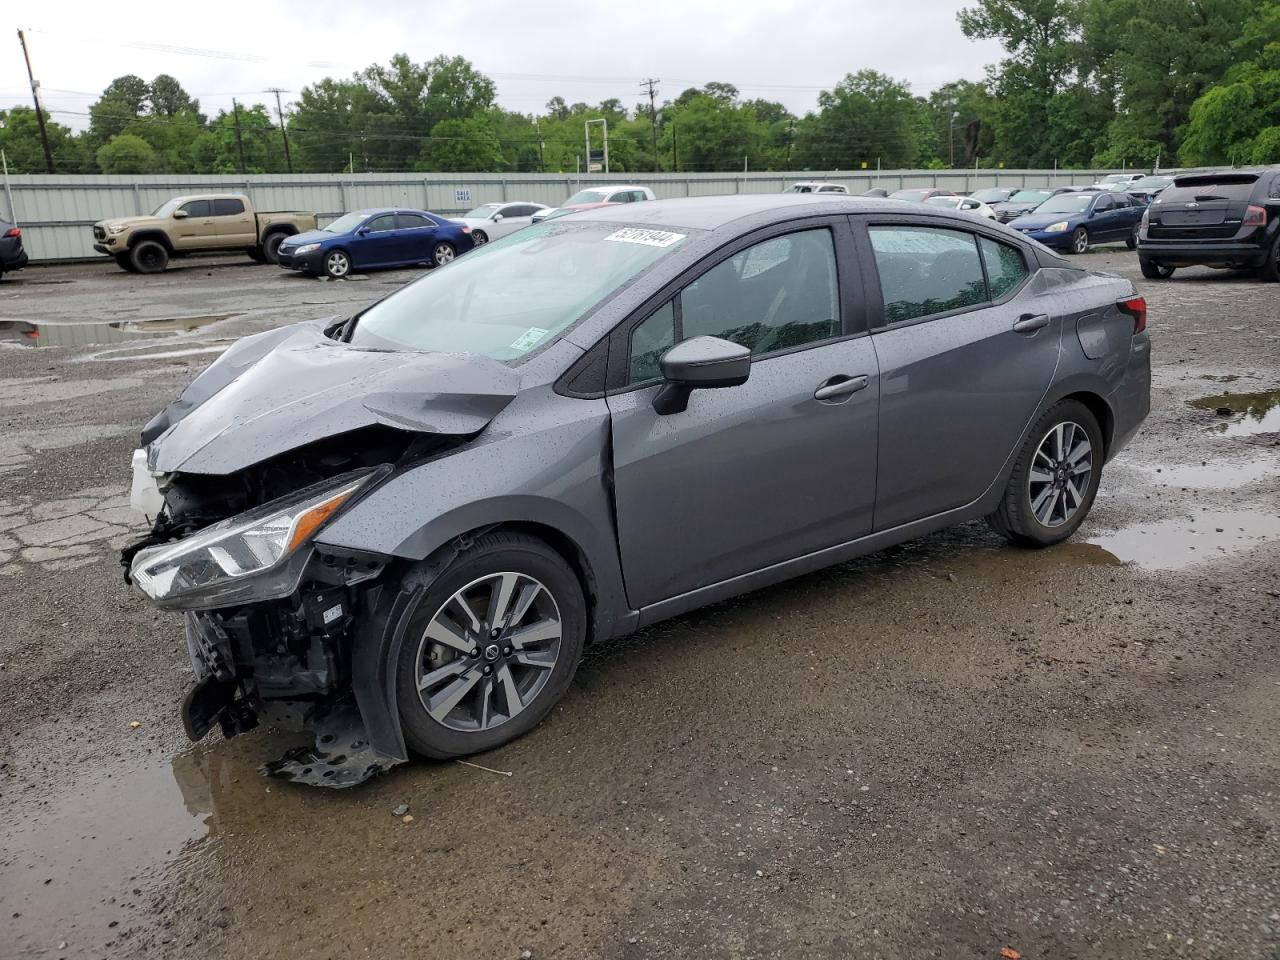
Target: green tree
20	138
126	153
868	116
166	98
460	145
215	149
713	131
124	100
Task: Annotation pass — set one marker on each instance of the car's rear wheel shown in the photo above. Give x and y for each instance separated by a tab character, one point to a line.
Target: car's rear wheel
1270	269
1054	480
1131	241
337	264
479	237
442	253
490	647
270	244
149	256
1153	270
1080	240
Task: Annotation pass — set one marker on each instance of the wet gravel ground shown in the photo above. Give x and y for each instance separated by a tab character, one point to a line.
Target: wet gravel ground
944	750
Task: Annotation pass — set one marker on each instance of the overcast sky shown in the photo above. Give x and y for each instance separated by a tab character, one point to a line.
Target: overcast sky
779	50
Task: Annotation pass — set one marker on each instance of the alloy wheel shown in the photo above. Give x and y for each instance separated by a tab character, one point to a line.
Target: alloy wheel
479	237
488	652
337	264
1080	242
443	254
1060	474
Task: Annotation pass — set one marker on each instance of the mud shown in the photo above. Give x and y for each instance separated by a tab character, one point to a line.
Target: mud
942	750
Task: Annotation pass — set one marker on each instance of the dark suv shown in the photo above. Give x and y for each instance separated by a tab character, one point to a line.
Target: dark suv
12	256
1214	220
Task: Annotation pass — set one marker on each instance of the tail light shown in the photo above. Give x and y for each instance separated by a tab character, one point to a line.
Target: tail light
1135	307
1146	217
13	232
466	229
1255	216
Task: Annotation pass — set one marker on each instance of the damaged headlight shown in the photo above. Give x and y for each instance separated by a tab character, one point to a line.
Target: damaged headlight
247	545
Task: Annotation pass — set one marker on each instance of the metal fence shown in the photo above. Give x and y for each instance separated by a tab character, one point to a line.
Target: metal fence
56	212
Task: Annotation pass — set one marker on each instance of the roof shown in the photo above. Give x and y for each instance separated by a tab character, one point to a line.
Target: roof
708	213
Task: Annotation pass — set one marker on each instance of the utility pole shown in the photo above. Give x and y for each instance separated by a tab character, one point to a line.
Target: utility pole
951	137
652	85
35	97
235	106
283	132
675	148
542	162
791	135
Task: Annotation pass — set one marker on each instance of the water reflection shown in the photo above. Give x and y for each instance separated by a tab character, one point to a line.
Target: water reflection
1246	413
29	334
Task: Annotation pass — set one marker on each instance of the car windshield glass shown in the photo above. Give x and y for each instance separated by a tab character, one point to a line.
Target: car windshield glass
1067	203
586	196
915	195
1151	183
345	223
515	294
1030	196
989	196
1204	188
166	208
944	201
482	211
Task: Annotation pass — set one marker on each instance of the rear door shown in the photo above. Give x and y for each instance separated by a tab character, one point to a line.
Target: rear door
417	234
236	226
197	230
1104	219
966	354
757	474
377	243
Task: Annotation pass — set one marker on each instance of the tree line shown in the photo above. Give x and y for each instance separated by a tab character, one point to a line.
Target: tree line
1082	83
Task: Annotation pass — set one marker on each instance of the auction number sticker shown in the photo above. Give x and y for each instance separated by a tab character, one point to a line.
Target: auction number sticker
650	238
528	339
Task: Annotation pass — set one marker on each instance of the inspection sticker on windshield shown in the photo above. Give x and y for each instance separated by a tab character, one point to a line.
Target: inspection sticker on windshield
528	339
650	238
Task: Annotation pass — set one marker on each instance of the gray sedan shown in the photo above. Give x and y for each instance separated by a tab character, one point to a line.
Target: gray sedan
401	529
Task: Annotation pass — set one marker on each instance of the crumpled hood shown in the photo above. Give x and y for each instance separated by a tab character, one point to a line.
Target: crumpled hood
280	390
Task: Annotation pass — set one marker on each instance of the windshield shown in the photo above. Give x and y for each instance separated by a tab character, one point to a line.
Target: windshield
482	212
1030	196
346	223
944	201
1116	178
165	208
515	294
587	196
916	196
1067	203
990	196
1151	183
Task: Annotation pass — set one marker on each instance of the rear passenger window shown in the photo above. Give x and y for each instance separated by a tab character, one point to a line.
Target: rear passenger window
926	270
778	294
227	207
1005	266
412	221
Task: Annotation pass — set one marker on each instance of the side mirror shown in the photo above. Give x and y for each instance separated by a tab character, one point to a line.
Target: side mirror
701	363
180	214
497	217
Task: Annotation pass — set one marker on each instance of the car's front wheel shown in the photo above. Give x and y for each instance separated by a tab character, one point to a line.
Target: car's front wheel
1054	480
442	253
337	264
149	256
1131	241
1153	270
490	647
1080	240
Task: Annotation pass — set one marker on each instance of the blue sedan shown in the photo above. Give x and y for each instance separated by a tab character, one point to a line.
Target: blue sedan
366	239
1072	222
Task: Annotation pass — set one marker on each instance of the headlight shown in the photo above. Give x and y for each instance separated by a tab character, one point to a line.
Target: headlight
307	248
244	546
1059	227
115	228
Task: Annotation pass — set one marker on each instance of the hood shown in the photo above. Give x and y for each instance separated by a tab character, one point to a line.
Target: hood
1008	206
1041	220
132	222
309	236
283	389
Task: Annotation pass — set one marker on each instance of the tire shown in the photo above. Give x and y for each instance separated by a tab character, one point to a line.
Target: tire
270	244
1038	512
1154	271
1269	272
1079	241
256	255
337	264
149	256
442	253
479	237
123	262
473	710
1131	241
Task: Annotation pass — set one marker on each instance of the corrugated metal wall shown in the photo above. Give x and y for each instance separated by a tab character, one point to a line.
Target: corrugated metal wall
56	212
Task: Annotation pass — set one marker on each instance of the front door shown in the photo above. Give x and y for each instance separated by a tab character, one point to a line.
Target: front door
757	474
965	358
377	243
197	230
236	225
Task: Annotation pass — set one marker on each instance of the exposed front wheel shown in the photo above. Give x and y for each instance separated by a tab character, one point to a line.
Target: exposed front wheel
442	253
1054	480
490	647
1080	240
1154	271
149	256
337	264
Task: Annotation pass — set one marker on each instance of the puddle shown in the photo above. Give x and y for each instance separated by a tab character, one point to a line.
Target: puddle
1178	543
1248	413
1213	474
25	333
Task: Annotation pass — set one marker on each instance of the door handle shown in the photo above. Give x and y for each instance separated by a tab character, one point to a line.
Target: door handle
1028	322
839	387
